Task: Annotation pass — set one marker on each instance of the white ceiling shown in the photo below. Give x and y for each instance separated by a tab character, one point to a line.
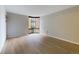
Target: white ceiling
36	10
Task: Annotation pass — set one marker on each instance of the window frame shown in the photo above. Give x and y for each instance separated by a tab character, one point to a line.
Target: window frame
32	29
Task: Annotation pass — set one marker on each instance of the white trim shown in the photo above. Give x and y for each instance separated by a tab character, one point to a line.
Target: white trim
63	39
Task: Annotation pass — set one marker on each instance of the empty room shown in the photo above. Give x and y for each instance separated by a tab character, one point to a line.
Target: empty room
39	29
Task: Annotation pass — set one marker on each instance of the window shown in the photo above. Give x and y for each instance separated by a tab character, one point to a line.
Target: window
33	24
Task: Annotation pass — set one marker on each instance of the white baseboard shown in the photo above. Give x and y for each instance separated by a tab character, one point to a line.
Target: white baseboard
64	39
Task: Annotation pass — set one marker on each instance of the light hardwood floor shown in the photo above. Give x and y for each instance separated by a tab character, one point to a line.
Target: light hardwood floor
38	44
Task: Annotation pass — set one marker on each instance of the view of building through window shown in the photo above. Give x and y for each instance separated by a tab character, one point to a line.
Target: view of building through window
34	24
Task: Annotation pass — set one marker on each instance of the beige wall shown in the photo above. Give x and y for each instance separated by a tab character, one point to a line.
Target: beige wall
63	24
16	25
2	26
